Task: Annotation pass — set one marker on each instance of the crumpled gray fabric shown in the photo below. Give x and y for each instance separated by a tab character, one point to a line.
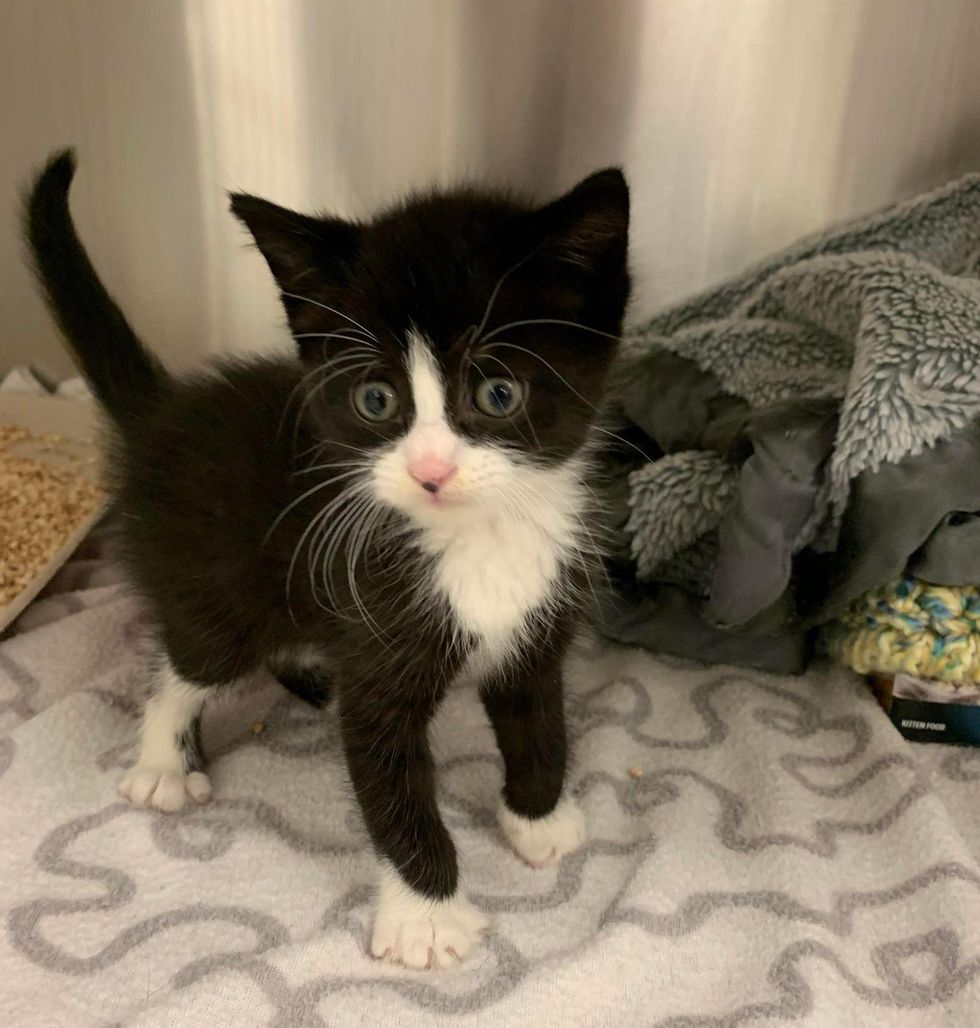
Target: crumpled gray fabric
952	552
893	516
779	491
666	619
828	380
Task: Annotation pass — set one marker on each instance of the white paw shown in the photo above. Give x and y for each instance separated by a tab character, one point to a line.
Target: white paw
420	933
163	790
547	839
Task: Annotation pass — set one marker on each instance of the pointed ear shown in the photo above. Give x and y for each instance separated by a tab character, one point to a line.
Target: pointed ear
297	247
588	227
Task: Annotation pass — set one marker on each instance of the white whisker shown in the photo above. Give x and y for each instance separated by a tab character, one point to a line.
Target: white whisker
315	523
496	290
334	464
626	442
548	321
309	492
361	351
327	307
561	378
357	364
338	335
323	553
323	444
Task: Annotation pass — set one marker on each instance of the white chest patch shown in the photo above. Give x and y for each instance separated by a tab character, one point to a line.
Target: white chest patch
501	570
498	525
496	576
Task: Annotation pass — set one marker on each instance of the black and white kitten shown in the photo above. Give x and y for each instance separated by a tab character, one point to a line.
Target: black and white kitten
408	500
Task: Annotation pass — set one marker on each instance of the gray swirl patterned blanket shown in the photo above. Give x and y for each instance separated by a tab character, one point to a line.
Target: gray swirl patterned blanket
779	856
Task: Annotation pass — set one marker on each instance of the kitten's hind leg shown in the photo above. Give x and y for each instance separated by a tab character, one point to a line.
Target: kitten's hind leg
170	767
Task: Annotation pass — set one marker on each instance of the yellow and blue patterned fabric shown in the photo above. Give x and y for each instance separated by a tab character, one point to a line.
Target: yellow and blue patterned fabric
930	631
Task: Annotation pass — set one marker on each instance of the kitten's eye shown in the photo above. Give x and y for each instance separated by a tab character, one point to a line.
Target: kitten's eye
498	397
375	401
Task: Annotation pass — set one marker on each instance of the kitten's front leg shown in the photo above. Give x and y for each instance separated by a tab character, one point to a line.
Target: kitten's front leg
422	920
527	712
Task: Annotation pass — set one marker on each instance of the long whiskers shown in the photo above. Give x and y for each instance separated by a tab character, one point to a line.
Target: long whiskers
362	351
327	307
473	333
338	335
531	492
309	492
316	522
352	530
561	378
334	464
478	330
549	321
356	363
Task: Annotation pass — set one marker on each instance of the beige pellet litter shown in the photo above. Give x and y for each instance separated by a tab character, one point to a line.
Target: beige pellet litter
41	504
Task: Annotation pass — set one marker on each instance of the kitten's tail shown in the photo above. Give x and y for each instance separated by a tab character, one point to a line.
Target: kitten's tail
120	371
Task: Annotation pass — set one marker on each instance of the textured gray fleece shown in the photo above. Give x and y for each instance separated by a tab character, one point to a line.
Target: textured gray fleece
770	396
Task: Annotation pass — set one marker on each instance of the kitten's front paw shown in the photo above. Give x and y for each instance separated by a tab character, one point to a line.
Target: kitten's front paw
163	790
420	933
544	840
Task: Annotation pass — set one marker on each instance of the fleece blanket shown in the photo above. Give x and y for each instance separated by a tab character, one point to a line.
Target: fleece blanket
761	851
828	399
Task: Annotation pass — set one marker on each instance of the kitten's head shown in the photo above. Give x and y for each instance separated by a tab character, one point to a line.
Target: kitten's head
458	344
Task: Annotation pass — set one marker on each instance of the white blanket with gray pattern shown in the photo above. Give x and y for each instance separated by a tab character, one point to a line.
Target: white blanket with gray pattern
780	857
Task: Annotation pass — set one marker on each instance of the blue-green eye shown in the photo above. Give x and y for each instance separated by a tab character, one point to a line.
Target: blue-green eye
375	401
498	397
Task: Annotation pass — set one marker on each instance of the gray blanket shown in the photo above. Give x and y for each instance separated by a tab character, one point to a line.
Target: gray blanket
779	855
816	423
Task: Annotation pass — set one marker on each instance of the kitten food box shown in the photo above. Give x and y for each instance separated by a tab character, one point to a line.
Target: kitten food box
928	711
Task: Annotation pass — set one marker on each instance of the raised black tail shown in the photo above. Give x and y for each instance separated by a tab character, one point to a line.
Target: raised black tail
121	373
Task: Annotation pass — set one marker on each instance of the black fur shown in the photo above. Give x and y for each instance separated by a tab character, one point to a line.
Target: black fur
209	471
122	374
189	745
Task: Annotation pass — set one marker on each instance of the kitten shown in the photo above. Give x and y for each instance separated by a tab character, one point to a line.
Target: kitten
408	500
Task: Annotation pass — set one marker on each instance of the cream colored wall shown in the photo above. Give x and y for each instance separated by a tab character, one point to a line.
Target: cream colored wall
742	124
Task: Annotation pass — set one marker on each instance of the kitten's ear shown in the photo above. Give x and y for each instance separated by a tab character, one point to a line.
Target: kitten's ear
298	248
588	227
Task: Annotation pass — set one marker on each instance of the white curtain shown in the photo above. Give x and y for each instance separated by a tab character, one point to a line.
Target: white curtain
741	124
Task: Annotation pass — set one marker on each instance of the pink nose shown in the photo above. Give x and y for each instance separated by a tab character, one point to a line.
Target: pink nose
431	472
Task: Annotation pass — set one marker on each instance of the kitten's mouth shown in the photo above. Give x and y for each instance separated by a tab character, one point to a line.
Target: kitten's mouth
446	497
440	499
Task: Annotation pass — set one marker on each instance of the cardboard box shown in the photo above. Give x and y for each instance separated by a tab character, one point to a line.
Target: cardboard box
77	423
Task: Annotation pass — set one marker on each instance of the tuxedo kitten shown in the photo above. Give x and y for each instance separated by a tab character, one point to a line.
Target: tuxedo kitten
407	499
